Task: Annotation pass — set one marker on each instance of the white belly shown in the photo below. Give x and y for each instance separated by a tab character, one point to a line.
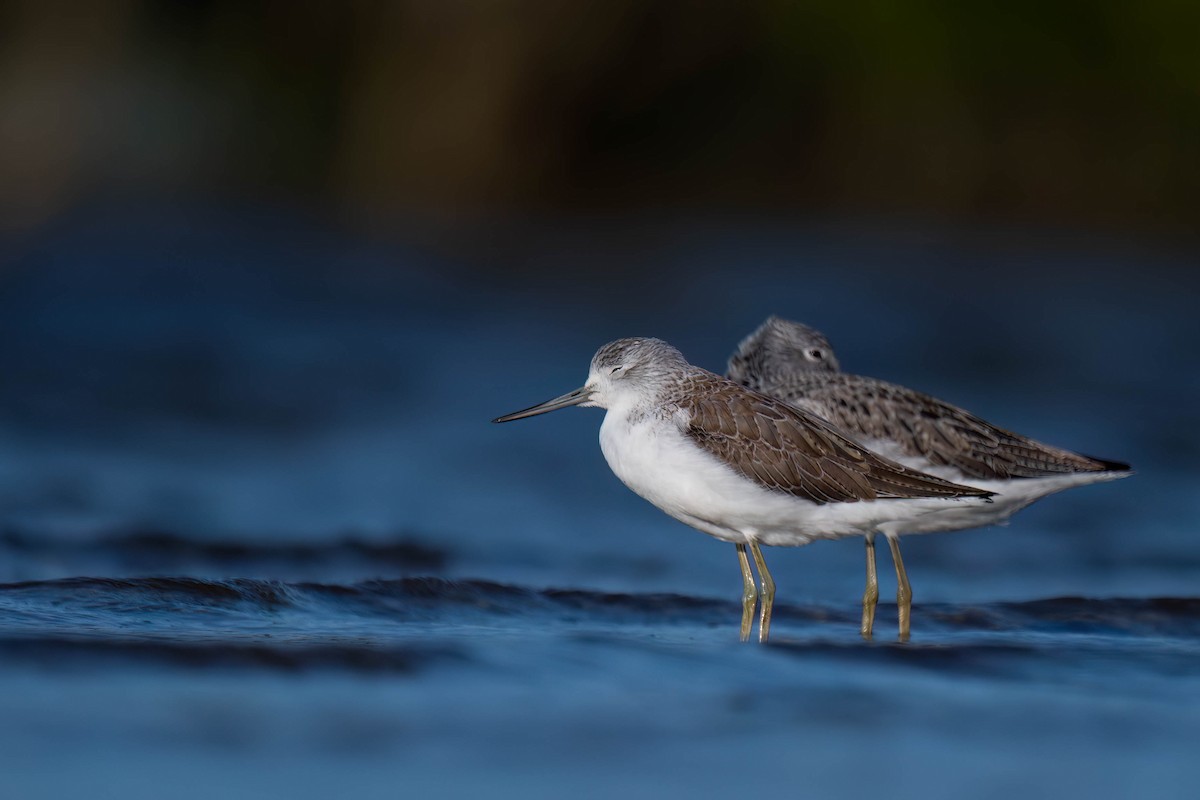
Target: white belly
658	462
1011	495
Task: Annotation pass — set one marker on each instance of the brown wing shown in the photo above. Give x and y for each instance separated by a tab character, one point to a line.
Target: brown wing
945	435
790	450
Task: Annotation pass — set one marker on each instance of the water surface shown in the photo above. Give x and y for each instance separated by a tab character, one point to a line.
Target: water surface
258	535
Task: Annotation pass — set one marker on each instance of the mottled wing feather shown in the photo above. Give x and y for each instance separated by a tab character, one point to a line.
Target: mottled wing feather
790	450
925	427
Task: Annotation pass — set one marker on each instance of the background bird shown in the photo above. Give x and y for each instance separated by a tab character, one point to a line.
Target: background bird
796	363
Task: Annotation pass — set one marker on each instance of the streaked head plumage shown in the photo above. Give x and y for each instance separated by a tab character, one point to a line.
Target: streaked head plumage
780	347
636	365
632	370
638	352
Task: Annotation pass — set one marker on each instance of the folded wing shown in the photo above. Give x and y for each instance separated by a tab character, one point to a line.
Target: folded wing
790	450
943	434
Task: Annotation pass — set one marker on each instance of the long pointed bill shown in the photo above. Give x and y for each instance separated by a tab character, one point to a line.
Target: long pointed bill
580	395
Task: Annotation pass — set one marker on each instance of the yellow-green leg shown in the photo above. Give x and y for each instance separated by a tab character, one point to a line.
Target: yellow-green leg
903	590
749	593
767	593
871	595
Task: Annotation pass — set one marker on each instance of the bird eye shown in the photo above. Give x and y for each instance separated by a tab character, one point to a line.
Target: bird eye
816	354
615	370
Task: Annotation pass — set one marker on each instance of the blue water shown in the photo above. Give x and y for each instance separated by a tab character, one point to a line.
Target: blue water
258	535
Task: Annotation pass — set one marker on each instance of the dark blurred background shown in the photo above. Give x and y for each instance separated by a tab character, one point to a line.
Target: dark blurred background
1074	113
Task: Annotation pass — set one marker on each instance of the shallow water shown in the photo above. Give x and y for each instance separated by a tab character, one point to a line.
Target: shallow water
389	685
258	534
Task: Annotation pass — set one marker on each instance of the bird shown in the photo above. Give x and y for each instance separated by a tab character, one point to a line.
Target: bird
795	363
739	465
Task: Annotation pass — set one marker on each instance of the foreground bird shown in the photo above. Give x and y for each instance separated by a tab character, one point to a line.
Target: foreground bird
741	466
795	363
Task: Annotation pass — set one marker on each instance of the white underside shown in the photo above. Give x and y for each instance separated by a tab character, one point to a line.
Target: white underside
659	463
1011	495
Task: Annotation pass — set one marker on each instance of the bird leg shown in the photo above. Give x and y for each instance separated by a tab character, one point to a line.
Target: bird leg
766	595
749	593
871	595
903	590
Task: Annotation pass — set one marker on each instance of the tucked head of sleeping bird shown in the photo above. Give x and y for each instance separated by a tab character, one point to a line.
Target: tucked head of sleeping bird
779	348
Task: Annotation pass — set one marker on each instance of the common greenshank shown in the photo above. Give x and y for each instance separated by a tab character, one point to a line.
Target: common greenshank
796	364
741	466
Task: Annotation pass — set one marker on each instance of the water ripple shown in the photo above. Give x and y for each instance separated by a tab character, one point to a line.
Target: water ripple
387	624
